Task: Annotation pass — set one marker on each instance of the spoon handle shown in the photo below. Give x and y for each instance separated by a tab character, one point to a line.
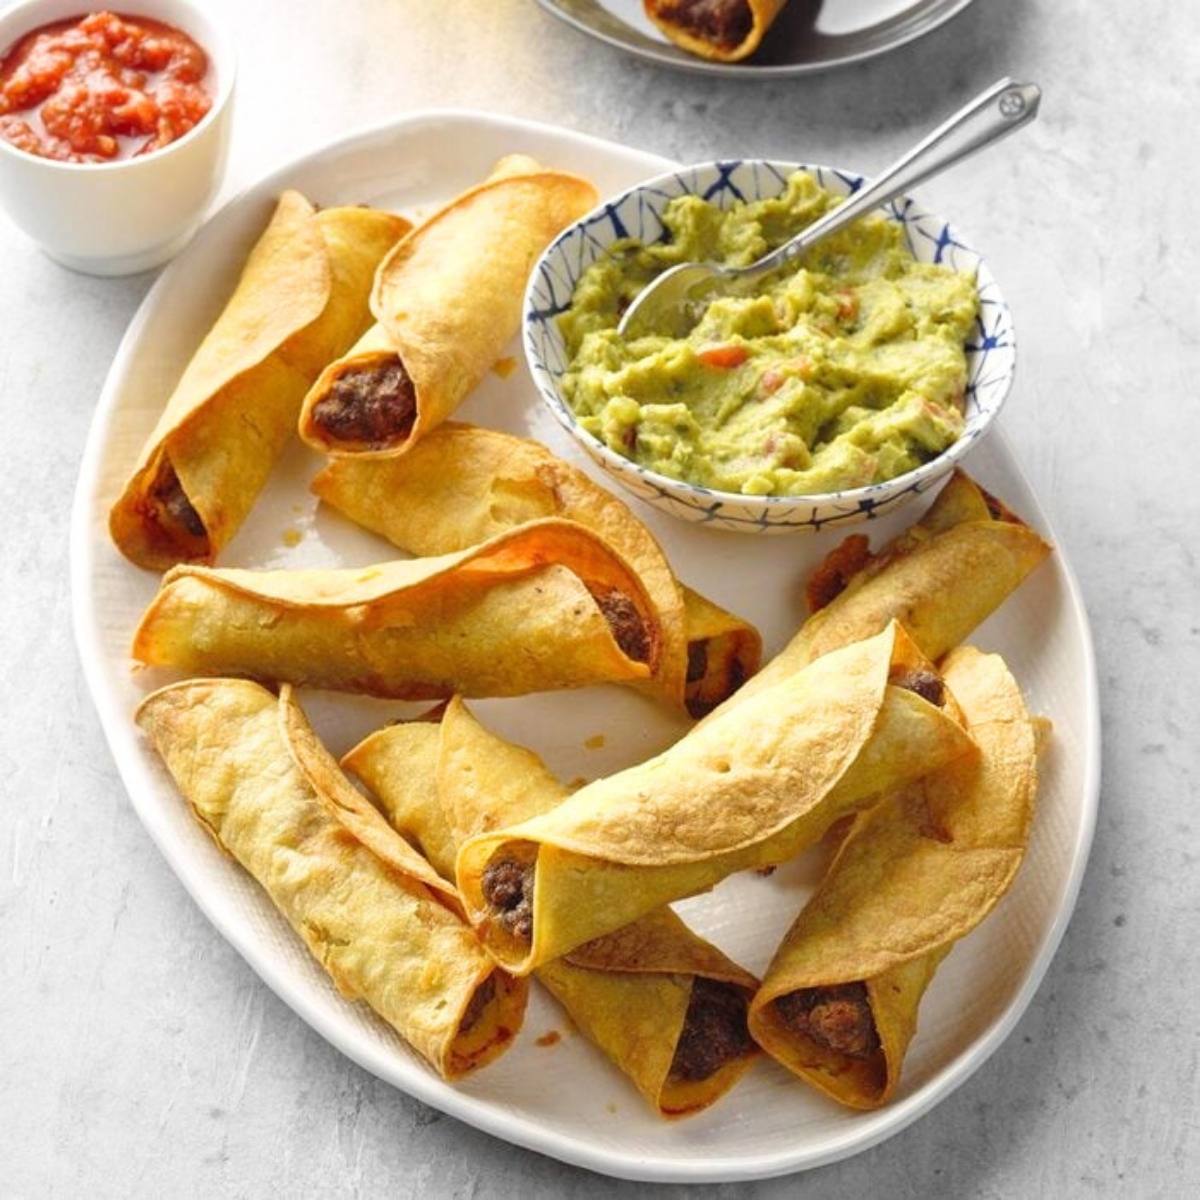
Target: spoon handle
994	114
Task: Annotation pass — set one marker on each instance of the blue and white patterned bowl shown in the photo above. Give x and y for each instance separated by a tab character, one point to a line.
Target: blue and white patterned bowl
991	351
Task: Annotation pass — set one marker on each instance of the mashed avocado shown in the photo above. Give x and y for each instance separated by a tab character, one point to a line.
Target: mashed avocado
847	371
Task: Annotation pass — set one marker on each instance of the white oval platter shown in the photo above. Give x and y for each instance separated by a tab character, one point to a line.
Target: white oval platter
565	1100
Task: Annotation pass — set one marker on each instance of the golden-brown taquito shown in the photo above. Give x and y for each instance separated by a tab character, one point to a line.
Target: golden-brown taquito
302	300
719	30
374	914
447	300
461	485
916	873
665	1006
549	605
941	578
750	788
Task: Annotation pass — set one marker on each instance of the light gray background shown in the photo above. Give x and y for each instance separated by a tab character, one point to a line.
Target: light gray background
139	1056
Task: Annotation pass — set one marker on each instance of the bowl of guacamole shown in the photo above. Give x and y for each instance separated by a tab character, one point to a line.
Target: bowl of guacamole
828	392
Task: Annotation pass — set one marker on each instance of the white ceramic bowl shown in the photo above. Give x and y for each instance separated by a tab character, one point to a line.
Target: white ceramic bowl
991	352
120	217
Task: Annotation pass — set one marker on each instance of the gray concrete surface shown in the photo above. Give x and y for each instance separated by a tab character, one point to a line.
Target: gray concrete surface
139	1056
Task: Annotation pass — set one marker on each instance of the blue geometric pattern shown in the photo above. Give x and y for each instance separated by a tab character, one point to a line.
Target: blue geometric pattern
991	351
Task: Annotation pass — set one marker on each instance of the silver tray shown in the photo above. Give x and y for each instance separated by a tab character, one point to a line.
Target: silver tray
808	36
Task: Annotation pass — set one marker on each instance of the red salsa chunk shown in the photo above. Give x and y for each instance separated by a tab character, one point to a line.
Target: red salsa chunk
101	87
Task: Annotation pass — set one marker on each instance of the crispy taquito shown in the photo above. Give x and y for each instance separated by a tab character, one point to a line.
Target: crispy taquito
750	788
462	485
374	914
719	30
548	605
942	577
839	1003
446	300
302	300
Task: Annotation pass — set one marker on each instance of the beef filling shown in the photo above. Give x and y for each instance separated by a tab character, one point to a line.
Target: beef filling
997	510
704	694
838	1018
375	405
714	1031
832	577
508	887
737	676
726	22
628	628
926	684
172	503
484	994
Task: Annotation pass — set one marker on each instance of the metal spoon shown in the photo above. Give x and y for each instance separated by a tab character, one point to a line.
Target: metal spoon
675	301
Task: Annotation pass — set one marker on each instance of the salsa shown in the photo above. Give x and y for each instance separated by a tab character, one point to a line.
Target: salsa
847	370
102	87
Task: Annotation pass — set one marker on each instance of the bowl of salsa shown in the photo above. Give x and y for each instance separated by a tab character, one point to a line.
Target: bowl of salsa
113	127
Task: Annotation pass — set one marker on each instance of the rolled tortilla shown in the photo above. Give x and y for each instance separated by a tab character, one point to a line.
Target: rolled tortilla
549	605
447	300
839	1004
373	913
302	299
462	485
942	578
749	789
719	30
665	1006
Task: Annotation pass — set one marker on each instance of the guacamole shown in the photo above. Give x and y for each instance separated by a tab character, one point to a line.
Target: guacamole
845	371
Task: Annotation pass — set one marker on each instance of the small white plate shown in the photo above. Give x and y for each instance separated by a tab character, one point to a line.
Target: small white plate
808	36
565	1100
